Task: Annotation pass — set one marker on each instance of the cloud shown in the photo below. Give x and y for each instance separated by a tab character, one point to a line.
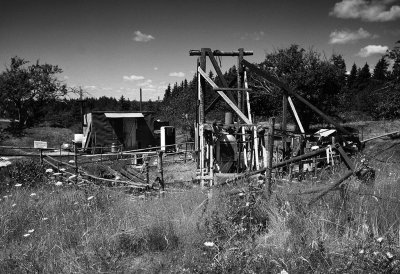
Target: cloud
90	87
155	68
372	11
256	36
147	83
347	36
133	78
177	74
371	50
141	37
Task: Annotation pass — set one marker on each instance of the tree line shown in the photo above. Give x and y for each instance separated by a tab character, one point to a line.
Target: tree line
32	93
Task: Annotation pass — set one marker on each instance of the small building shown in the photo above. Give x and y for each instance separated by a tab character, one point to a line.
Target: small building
131	130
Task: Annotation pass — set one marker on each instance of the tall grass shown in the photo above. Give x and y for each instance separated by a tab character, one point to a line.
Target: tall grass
235	229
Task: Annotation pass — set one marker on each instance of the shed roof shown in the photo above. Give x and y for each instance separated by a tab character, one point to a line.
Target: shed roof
123	115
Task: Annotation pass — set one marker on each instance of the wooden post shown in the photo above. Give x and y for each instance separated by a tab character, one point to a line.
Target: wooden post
76	162
146	163
239	81
268	175
211	163
41	156
160	168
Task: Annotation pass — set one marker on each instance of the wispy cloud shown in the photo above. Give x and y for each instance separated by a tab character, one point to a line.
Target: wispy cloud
367	10
133	78
142	37
147	83
347	36
371	50
155	68
256	36
90	87
177	74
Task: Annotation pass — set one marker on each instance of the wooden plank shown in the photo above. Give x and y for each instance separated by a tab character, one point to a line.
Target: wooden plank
296	115
223	95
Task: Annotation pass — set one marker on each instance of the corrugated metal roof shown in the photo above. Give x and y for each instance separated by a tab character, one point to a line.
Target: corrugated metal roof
123	115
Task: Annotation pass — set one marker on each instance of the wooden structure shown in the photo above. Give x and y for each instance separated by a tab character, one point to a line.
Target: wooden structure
251	149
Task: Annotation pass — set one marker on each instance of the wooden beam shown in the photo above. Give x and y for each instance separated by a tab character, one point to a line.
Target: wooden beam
296	115
216	99
223	95
195	52
289	90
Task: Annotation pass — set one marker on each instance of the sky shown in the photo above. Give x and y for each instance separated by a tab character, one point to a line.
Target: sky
116	47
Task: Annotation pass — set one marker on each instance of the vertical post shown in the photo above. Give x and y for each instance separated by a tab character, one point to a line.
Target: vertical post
140	103
58	163
185	150
202	85
268	175
239	79
146	165
76	162
284	124
160	168
201	151
211	163
41	156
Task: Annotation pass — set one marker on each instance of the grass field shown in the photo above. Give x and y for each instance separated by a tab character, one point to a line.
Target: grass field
50	228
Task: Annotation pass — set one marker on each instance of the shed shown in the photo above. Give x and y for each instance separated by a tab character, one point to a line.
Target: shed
132	130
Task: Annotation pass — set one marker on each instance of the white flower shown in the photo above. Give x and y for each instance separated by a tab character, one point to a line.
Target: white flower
13	205
33	194
45	219
71	161
90	198
31	230
389	255
283	272
209	244
62	169
379	240
49	170
18	185
361	251
27	235
58	183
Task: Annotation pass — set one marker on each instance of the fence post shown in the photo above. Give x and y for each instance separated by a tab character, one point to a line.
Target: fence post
76	162
160	168
146	163
268	175
41	156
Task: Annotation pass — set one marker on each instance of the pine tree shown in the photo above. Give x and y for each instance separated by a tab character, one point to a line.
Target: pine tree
381	70
167	93
363	77
351	79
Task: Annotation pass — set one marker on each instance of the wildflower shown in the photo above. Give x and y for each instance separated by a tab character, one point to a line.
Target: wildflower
13	205
379	240
57	173
58	183
209	244
62	169
49	170
45	219
283	272
361	251
18	185
27	235
90	198
389	255
247	204
33	194
75	203
31	230
71	161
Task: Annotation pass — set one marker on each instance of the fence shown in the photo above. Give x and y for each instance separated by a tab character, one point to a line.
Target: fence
71	162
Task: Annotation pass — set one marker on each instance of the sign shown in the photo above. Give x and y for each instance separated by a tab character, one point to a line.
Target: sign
39	144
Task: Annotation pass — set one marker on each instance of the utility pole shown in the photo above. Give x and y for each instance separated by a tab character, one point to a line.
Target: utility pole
140	104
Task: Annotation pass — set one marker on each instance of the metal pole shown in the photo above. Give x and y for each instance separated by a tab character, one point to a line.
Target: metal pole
140	103
160	169
76	162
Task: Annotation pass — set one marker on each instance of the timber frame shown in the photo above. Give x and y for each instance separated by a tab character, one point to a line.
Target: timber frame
250	137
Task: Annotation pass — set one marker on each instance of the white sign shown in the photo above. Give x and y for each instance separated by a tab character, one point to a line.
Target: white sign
39	144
